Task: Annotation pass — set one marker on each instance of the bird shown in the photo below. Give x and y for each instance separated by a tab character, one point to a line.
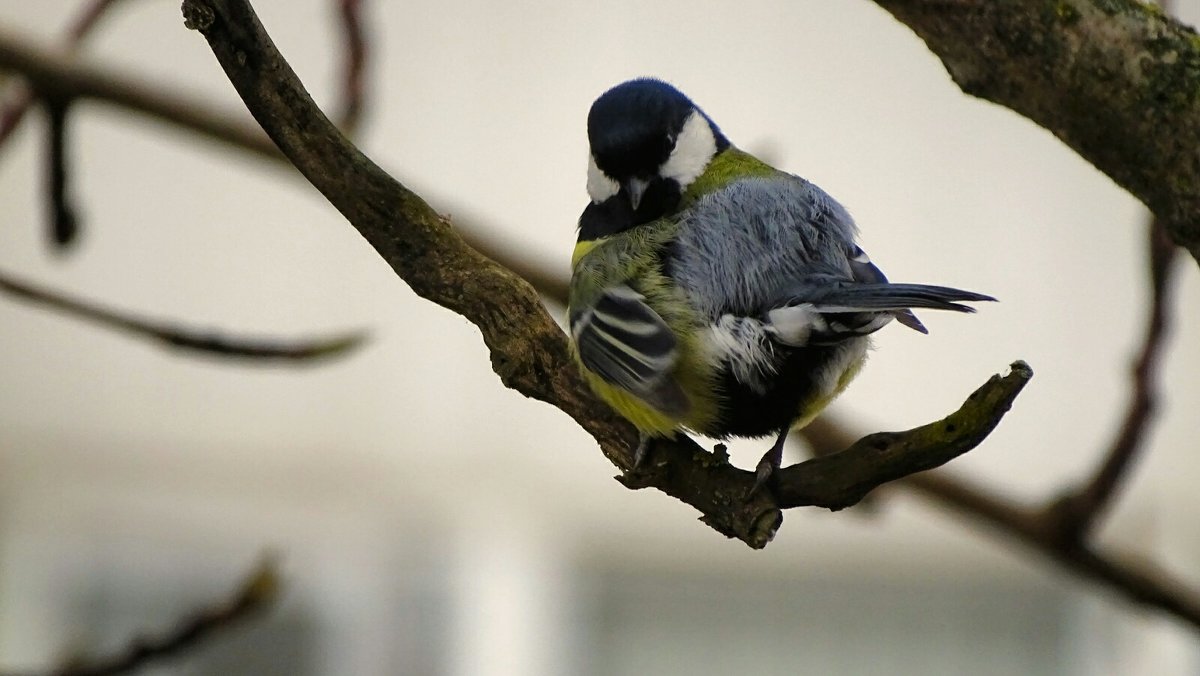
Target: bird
712	293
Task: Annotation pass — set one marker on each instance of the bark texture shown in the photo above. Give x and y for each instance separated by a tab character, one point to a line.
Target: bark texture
1117	80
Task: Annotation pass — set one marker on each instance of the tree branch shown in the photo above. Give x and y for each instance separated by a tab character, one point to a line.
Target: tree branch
186	339
835	480
1116	80
529	352
887	456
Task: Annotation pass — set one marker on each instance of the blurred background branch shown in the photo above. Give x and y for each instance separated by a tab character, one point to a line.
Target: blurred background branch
825	436
257	592
64	220
1061	532
354	88
188	339
1078	511
19	96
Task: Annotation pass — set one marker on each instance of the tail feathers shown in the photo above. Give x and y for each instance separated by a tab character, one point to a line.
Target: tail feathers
898	300
907	318
894	297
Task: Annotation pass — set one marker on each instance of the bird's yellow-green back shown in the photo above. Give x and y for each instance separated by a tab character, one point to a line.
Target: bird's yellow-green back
726	167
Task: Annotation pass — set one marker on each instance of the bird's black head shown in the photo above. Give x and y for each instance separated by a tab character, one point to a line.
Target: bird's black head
644	132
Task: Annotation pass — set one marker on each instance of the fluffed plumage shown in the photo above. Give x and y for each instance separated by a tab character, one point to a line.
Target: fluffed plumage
711	292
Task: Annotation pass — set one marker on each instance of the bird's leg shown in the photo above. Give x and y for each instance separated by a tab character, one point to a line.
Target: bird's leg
770	462
645	442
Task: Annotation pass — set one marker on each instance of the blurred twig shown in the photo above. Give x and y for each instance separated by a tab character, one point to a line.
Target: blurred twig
258	591
199	116
19	96
56	74
64	223
1077	512
183	338
354	68
548	280
1133	577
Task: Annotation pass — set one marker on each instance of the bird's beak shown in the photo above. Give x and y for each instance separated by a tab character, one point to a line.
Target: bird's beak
636	187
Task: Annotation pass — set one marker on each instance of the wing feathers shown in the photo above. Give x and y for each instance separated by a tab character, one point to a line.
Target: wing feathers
625	342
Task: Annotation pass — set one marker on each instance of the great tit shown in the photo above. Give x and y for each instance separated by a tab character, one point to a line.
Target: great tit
711	292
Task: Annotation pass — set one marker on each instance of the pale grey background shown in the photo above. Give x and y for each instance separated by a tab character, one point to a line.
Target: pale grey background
432	521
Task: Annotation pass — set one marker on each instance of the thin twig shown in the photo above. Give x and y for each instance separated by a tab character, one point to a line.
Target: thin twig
183	338
1077	512
63	219
56	74
257	591
178	109
19	96
87	20
354	66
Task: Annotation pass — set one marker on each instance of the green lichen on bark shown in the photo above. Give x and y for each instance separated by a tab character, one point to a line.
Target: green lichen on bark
1066	14
1171	71
1115	7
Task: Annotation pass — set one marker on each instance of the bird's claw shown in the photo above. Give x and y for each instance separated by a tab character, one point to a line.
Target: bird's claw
762	474
768	465
640	453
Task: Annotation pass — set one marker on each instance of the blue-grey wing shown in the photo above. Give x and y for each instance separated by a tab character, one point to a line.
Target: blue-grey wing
741	245
780	250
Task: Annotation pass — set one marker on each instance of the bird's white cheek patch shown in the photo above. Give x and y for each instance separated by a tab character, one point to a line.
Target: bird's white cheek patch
694	148
599	186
